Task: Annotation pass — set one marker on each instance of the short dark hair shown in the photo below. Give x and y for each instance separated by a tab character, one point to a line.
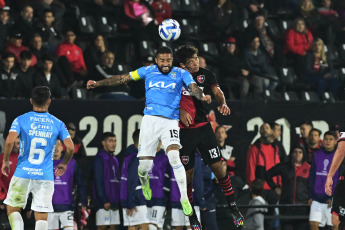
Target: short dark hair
273	124
331	133
306	122
184	52
315	130
135	135
218	127
8	55
25	55
256	187
164	50
49	11
40	95
48	57
106	135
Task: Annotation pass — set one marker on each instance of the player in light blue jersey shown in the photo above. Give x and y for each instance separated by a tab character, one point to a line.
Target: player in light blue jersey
38	131
163	84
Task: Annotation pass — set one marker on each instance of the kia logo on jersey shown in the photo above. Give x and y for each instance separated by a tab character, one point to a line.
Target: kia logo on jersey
185	159
201	78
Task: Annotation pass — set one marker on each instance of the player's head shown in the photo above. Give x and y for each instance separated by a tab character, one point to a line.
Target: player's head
58	149
40	97
187	56
314	136
135	136
164	59
109	142
220	133
256	187
330	139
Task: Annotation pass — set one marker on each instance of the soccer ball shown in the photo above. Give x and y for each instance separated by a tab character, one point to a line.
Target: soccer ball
169	30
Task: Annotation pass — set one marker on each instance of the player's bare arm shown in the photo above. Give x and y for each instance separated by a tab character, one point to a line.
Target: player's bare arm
112	81
185	117
222	106
12	136
60	169
198	93
337	159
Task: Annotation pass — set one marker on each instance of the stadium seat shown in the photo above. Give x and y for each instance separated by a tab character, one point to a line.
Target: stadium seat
287	76
273	28
86	25
122	68
332	52
190	7
328	97
190	28
342	53
104	26
209	51
78	93
290	96
284	25
147	48
271	95
309	96
175	5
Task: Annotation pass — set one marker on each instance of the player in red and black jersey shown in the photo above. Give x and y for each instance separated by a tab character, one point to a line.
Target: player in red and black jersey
338	204
196	131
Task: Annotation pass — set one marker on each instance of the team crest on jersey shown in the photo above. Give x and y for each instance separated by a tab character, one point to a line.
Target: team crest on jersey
200	78
185	159
173	74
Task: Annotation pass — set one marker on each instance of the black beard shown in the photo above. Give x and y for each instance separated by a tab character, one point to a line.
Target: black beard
160	69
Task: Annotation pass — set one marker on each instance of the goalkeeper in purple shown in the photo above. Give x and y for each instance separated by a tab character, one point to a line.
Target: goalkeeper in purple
38	131
163	84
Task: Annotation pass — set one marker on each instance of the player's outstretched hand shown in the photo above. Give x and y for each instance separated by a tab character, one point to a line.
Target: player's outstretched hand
91	84
224	109
60	169
207	98
5	168
185	117
328	185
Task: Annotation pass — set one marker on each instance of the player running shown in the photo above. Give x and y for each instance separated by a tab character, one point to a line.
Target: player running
196	130
38	131
163	84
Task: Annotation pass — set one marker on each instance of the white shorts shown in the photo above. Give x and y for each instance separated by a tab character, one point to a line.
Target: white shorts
157	215
154	129
141	216
110	217
42	194
65	218
319	212
178	218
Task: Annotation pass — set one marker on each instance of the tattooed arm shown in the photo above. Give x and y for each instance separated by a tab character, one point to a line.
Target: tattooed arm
112	81
197	92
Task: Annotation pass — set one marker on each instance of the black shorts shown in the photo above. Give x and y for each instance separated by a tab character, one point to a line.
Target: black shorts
202	140
338	205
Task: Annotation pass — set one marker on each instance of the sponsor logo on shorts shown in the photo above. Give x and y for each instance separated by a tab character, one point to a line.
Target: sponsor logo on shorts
185	159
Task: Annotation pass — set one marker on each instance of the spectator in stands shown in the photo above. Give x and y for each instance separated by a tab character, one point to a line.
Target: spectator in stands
326	9
226	150
329	22
222	19
37	49
79	149
256	61
262	156
105	70
321	203
74	55
304	128
319	69
64	197
51	35
5	180
45	77
107	184
24	24
140	19
277	135
314	143
255	216
234	70
310	14
162	10
5	24
135	213
294	188
25	79
15	46
93	53
298	41
8	76
202	62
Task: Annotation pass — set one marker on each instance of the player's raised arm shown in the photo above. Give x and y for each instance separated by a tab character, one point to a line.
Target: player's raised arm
197	92
222	106
12	136
112	81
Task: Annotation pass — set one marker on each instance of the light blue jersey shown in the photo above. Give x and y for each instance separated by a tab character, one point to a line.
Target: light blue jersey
37	133
163	92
